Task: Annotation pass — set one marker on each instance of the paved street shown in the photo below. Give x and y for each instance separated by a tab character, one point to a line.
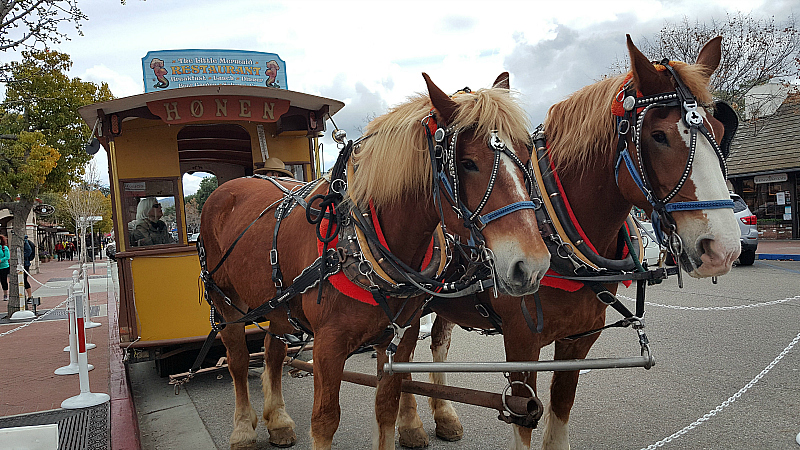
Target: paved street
704	356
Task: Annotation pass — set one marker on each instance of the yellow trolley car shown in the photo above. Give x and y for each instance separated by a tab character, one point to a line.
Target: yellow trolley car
152	140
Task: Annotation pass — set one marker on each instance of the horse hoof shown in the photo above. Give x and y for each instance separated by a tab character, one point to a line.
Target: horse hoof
413	437
248	444
282	437
449	432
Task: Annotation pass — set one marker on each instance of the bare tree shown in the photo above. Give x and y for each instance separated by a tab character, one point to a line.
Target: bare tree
755	51
27	23
83	202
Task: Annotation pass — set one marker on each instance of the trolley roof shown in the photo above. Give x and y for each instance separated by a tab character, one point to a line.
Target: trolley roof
296	99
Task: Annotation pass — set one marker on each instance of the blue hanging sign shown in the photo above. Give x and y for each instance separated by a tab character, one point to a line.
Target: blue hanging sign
170	69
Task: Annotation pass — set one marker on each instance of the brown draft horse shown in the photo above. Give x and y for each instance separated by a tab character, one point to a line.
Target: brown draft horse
582	137
394	176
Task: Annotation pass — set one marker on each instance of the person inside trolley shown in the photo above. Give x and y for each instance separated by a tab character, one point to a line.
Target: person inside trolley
149	229
274	167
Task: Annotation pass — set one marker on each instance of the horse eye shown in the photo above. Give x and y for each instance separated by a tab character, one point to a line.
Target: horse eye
469	165
660	137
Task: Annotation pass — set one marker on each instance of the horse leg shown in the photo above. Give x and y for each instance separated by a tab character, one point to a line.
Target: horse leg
410	431
387	394
521	350
279	424
330	354
448	425
245	418
562	394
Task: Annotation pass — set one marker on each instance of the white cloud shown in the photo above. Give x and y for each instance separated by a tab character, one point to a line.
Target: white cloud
121	85
191	182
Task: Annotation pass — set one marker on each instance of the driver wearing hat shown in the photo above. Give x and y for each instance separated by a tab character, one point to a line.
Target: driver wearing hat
273	167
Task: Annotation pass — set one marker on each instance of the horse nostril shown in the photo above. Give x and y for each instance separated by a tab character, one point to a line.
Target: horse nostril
704	246
519	273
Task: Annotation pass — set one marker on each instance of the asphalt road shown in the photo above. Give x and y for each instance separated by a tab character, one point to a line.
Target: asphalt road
704	356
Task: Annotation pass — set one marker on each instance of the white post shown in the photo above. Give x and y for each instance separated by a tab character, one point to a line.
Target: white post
93	255
86	398
88	308
72	348
23	313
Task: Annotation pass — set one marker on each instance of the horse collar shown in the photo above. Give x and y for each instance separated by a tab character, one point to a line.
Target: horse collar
571	252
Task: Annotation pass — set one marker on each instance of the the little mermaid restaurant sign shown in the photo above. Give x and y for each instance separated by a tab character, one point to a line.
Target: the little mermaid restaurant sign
169	69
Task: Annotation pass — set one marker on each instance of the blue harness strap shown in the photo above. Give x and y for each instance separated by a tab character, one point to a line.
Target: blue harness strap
508	209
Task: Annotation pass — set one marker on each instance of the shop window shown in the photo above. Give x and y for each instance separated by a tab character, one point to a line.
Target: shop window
149	212
773	210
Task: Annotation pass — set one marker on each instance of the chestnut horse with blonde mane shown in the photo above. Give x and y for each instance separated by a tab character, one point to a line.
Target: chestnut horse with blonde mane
393	179
583	146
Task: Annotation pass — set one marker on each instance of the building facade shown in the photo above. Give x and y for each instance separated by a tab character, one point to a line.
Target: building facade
764	168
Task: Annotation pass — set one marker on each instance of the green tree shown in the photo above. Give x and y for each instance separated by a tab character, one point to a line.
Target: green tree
207	186
43	134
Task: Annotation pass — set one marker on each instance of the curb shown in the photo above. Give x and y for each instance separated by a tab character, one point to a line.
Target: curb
777	257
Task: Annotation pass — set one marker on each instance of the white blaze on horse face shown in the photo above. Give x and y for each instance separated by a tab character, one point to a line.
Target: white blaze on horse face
511	257
714	241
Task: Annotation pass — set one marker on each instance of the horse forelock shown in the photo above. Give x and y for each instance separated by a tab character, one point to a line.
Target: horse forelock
393	163
581	129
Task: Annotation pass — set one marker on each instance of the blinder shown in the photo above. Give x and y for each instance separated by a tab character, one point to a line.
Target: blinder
730	120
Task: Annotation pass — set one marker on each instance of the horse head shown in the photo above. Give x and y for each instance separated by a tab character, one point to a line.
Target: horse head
674	149
480	141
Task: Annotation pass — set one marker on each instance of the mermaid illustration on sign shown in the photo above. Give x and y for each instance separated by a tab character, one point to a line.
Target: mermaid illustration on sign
158	69
272	74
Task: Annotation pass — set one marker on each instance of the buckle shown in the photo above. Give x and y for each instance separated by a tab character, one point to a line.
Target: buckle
606	297
482	311
273	256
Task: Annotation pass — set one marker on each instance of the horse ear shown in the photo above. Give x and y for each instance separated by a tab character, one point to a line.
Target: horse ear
645	77
441	101
502	81
710	55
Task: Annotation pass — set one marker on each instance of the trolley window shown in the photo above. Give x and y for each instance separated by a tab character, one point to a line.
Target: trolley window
149	212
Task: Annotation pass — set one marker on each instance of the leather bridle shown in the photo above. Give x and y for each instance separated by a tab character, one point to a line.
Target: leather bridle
631	122
442	144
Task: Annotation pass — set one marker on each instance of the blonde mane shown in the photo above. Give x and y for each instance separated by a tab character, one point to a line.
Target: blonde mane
581	129
393	162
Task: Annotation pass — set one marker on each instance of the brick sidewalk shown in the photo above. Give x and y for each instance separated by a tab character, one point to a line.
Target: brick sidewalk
30	355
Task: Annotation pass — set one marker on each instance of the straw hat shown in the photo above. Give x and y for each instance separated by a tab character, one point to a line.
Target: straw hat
273	164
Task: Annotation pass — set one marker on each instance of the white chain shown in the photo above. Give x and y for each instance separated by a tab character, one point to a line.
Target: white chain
6	333
716	308
727	402
40	283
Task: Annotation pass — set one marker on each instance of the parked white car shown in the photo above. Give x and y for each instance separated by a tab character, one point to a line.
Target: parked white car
651	247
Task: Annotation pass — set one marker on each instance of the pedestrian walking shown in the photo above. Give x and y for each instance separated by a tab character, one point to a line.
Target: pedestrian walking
5	256
30	254
60	250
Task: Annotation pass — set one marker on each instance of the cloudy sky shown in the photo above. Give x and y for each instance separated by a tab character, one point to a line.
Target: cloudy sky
369	54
